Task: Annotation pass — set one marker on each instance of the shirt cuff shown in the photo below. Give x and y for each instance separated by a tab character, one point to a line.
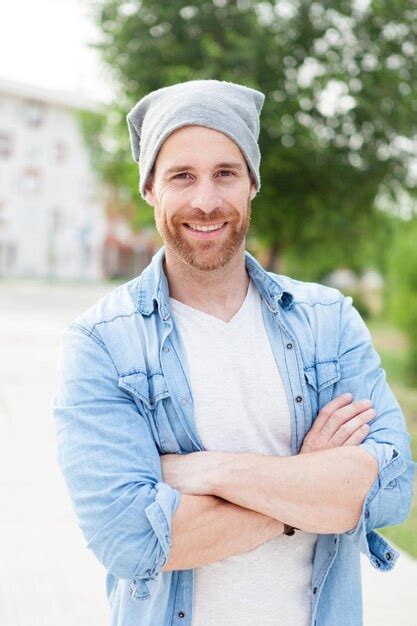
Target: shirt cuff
159	514
383	495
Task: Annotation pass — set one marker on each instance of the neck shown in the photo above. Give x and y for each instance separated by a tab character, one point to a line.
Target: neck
219	292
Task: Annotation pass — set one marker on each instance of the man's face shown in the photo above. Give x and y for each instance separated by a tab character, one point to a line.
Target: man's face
201	179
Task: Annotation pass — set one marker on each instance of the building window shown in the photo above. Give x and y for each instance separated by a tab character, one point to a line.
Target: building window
34	113
60	152
5	145
31	180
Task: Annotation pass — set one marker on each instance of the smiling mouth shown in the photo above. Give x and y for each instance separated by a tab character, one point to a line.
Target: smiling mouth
200	232
205	228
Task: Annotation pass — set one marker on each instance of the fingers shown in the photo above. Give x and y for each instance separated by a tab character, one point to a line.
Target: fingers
340	422
340	416
343	415
350	427
329	409
336	413
358	436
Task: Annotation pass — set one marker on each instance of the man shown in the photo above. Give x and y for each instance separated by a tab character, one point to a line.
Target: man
227	435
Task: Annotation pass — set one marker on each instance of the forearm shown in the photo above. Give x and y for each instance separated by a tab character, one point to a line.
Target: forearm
319	492
207	529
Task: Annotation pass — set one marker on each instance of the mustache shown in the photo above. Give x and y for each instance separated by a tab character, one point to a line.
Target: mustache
203	218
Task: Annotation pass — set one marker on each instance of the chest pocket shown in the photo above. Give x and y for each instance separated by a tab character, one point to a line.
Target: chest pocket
153	400
321	378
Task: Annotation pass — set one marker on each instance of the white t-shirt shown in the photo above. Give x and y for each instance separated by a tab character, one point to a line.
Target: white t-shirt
241	406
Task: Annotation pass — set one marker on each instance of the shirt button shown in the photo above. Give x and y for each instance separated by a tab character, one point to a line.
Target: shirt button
299	399
366	513
314	590
165	349
289	346
181	614
184	401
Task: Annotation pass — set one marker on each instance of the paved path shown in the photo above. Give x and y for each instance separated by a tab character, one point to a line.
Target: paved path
48	577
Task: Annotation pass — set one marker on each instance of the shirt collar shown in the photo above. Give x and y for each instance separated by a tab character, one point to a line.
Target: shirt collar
153	286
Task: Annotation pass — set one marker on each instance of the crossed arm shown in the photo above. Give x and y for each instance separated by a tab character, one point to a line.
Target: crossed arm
207	529
320	492
226	513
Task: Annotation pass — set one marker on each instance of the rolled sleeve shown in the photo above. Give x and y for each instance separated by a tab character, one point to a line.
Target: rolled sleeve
159	514
389	500
111	465
383	505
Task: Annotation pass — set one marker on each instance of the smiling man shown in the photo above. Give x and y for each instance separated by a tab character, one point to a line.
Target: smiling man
227	435
203	234
203	225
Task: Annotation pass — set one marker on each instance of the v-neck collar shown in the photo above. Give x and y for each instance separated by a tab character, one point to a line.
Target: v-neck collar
153	289
216	320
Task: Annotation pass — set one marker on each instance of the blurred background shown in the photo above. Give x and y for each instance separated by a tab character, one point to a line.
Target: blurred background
337	206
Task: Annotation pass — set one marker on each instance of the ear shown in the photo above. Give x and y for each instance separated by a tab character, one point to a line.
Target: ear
149	191
252	190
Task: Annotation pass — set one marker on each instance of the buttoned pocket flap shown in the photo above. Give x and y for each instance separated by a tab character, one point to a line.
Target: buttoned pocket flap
149	389
322	374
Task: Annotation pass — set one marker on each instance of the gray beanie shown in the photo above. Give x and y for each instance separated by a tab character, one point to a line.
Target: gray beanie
224	106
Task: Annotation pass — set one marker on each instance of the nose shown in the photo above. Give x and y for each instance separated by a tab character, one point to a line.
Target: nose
205	195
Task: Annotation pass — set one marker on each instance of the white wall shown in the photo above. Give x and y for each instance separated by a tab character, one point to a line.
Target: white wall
52	217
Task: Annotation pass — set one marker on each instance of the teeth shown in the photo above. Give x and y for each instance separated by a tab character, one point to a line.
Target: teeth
206	228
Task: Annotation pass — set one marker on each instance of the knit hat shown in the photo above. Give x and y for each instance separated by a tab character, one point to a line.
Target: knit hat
224	106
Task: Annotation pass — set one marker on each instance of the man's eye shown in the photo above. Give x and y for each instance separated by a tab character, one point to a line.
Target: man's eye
181	175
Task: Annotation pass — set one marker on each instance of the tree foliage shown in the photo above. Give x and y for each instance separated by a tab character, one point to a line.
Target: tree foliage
339	117
402	288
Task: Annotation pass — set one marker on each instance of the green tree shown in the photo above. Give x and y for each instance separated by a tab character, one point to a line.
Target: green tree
401	290
340	84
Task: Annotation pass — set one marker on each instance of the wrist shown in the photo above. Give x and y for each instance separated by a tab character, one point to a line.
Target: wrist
212	473
228	470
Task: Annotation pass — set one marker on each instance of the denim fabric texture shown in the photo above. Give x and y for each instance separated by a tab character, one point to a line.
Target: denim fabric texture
123	400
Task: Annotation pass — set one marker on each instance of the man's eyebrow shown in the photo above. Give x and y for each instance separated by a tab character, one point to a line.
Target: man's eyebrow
181	168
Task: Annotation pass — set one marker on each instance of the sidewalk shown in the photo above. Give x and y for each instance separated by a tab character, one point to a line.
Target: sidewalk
390	598
48	576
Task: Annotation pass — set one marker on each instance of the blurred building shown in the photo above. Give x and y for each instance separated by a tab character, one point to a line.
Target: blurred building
52	209
366	290
343	278
126	253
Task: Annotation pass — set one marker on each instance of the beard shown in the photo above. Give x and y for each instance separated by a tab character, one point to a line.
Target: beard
204	255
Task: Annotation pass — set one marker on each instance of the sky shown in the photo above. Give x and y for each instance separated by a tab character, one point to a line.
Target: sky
44	43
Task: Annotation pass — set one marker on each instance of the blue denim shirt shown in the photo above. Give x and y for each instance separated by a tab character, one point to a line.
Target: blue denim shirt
124	399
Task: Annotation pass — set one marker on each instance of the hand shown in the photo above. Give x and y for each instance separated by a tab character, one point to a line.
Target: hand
190	473
341	422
